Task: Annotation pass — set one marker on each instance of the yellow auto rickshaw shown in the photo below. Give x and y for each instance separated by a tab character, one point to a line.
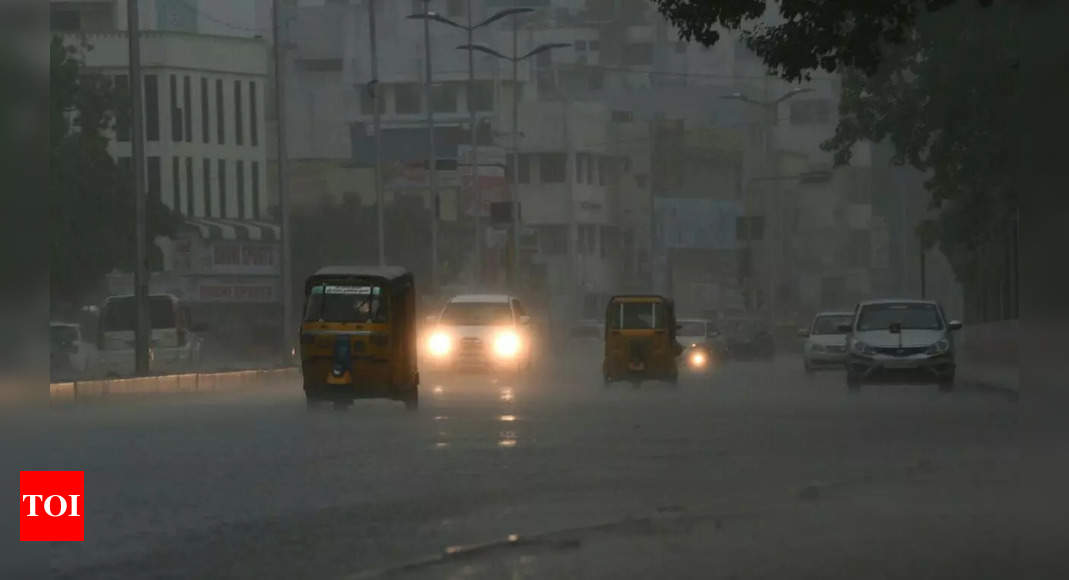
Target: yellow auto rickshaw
640	339
358	336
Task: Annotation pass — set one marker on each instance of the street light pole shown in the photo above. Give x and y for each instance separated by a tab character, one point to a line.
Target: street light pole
432	156
377	124
137	143
286	263
514	190
476	190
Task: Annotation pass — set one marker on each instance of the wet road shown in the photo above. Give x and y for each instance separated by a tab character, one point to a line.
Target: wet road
756	471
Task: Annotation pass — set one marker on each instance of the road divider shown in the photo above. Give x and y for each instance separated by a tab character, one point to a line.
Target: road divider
169	384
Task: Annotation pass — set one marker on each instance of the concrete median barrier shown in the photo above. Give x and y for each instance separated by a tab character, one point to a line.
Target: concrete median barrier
188	383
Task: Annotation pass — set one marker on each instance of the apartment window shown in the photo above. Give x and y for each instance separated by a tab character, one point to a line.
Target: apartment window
525	168
222	189
603	170
239	174
205	112
187	107
189	186
445	98
255	190
239	118
122	116
406	98
254	116
551	167
580	165
154	178
207	189
638	54
456	8
220	118
176	112
176	183
591	167
152	108
482	96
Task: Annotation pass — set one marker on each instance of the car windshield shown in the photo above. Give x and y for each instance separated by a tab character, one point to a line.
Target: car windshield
691	328
637	315
911	316
830	324
477	314
342	303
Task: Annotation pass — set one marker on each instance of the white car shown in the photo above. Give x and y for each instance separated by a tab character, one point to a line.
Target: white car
70	353
900	341
480	332
825	343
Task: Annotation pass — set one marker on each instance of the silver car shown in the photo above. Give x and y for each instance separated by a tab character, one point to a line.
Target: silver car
900	341
825	341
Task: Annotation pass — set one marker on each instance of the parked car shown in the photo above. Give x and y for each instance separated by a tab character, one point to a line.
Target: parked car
825	342
703	345
900	341
69	355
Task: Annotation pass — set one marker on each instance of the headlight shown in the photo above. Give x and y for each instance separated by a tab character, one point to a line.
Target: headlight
862	348
697	359
440	344
939	347
507	344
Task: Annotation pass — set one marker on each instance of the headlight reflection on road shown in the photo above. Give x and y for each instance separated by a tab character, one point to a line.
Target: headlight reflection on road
507	394
438	389
507	418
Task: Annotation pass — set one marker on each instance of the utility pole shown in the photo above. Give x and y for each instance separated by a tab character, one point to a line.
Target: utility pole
377	126
476	190
573	230
432	163
514	191
137	143
286	263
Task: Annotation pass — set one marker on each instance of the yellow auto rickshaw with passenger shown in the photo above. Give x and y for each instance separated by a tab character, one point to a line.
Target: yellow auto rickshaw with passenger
358	336
640	339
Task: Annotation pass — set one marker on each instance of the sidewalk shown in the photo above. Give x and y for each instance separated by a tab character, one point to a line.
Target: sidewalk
981	375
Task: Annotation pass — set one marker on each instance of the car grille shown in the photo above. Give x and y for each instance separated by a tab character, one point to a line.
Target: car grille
471	346
904	351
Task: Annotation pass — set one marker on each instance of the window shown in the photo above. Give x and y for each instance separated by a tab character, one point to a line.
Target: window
444	98
639	54
254	116
220	118
916	316
811	112
477	313
176	183
749	228
176	112
226	255
239	116
189	186
603	170
525	168
239	174
154	177
587	239
122	116
406	98
152	108
482	96
551	167
829	325
255	190
257	256
187	108
591	168
205	112
456	8
207	187
222	189
580	164
637	315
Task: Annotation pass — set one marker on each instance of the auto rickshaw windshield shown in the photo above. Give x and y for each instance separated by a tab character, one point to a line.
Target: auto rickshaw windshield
337	303
638	316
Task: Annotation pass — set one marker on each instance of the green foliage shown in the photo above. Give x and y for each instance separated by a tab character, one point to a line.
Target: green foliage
90	201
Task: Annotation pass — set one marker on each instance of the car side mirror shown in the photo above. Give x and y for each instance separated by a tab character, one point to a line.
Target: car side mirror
845	328
803	332
955	325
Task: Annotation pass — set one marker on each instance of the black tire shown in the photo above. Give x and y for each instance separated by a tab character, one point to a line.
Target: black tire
411	400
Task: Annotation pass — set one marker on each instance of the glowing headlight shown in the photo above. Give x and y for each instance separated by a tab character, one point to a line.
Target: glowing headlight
697	359
939	347
440	344
507	344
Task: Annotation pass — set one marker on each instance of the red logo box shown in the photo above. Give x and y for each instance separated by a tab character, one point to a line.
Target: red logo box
51	506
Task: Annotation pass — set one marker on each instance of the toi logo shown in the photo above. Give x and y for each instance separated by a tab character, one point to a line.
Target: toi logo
51	506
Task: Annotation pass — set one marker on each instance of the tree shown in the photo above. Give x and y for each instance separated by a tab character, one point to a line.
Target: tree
91	201
936	78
